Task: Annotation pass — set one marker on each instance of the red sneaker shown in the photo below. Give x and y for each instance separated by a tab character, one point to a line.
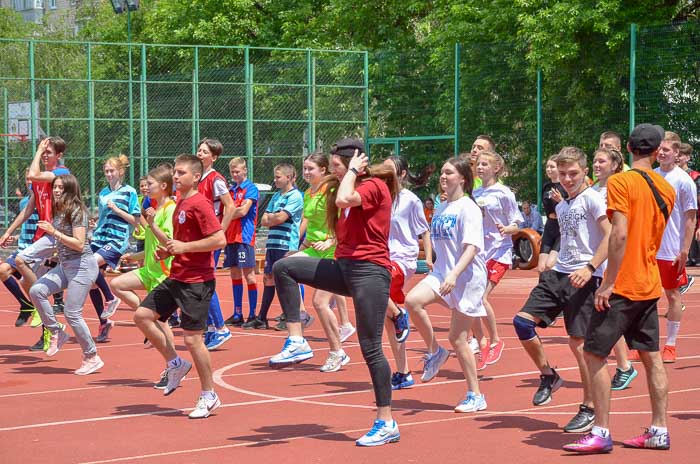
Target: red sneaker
480	361
495	352
647	440
669	354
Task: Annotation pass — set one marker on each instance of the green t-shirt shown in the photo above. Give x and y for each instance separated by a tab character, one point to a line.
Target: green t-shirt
164	220
315	214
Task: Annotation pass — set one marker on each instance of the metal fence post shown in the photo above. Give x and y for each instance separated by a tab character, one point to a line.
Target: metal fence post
633	78
91	127
366	102
249	112
131	116
48	109
195	101
32	95
458	59
539	140
144	112
311	99
6	140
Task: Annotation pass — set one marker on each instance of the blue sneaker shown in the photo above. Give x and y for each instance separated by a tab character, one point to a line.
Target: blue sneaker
207	336
433	362
622	378
292	352
472	403
381	433
400	381
401	326
217	339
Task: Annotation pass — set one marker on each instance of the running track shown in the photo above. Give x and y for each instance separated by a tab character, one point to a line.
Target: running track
301	415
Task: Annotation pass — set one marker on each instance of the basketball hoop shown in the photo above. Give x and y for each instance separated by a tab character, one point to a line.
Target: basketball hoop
20	137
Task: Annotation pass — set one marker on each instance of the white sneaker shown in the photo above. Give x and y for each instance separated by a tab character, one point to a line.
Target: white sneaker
381	433
474	345
346	331
472	403
175	376
433	363
90	365
57	340
205	407
335	361
292	352
111	308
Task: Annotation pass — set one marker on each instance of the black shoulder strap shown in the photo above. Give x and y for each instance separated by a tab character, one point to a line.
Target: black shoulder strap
657	196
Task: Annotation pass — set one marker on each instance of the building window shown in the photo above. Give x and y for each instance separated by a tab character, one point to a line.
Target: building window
52	4
38	4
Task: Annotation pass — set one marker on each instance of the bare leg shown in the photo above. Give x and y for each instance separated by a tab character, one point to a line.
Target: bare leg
535	349
576	345
600	387
459	338
397	349
146	321
417	299
200	356
658	386
321	300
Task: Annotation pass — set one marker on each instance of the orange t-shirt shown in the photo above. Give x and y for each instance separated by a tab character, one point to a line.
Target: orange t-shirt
629	194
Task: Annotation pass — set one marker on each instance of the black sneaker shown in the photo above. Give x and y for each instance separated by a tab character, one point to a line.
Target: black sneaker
582	421
548	385
23	317
58	308
43	343
236	320
163	382
281	325
686	287
255	323
622	378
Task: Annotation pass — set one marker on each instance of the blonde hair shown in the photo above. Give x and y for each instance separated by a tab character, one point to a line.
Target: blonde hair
568	155
287	169
614	156
497	162
674	138
238	161
120	163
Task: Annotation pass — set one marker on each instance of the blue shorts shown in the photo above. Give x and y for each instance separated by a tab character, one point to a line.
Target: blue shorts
108	253
240	255
271	257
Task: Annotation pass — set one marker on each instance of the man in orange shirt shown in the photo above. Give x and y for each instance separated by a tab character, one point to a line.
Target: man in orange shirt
639	203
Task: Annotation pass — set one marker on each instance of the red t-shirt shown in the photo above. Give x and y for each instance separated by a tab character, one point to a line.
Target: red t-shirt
363	231
193	220
43	195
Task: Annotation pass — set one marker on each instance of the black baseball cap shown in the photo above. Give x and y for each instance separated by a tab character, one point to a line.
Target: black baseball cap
346	147
645	138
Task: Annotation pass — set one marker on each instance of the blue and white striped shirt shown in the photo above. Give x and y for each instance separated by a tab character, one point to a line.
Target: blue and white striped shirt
285	236
111	229
29	227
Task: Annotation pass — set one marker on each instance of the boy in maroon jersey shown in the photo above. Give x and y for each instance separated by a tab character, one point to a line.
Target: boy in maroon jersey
196	233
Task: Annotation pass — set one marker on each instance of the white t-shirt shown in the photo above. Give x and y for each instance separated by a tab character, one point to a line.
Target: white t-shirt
499	207
686	199
457	224
580	232
407	224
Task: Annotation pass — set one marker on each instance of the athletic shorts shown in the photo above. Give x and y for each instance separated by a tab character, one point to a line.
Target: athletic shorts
149	280
399	277
638	321
312	253
671	279
108	253
554	294
496	270
39	256
271	257
240	255
551	236
192	298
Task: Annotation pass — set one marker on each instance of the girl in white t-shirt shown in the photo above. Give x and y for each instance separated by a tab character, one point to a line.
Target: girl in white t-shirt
407	224
458	279
501	220
607	162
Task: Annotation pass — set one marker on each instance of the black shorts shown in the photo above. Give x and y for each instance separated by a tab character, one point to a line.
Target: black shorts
550	236
271	257
554	294
192	299
638	321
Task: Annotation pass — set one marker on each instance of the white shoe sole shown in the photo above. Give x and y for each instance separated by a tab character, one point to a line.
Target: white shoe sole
94	368
342	363
295	360
204	414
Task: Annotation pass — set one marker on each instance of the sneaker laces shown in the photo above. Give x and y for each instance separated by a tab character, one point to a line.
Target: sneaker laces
376	427
584	439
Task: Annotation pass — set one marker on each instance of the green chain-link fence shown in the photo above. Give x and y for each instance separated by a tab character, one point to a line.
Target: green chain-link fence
153	102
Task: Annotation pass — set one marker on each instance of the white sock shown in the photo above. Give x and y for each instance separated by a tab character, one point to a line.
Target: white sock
296	339
176	362
210	395
211	328
223	330
672	328
658	430
347	325
600	432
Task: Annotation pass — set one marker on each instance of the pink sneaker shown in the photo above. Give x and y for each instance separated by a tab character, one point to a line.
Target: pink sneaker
590	444
480	361
647	440
90	365
57	340
495	352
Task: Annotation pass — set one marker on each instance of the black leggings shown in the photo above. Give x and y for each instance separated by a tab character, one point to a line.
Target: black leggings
368	285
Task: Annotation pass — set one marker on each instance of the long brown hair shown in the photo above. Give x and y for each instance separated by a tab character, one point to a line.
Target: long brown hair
70	200
380	171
